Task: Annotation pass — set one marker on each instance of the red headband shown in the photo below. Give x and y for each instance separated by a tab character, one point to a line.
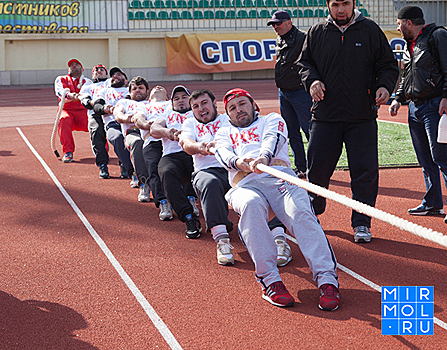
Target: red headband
238	92
99	66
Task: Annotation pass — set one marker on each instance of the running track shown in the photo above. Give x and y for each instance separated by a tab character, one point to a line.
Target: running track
91	268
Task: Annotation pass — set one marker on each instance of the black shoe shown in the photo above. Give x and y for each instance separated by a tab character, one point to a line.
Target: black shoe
424	210
193	227
104	172
124	173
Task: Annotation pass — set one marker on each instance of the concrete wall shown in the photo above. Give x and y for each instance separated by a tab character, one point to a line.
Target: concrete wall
29	59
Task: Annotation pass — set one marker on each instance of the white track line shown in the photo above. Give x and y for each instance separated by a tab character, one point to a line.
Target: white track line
362	279
156	320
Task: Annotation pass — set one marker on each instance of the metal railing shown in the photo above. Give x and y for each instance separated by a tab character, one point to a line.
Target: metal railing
64	16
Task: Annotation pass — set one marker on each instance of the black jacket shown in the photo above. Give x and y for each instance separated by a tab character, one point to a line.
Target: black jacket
352	65
288	48
425	74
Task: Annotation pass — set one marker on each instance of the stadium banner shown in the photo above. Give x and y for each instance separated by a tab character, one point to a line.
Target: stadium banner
62	16
211	53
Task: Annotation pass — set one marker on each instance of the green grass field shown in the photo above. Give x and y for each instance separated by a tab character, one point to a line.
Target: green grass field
395	147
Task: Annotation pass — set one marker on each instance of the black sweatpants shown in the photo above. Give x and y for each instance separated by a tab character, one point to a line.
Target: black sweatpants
152	154
98	139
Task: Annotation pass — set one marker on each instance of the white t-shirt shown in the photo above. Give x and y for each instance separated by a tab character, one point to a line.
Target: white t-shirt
153	111
92	91
200	132
247	142
130	107
112	95
174	120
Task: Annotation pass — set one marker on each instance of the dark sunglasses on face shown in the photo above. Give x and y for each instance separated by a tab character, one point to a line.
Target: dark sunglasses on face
278	24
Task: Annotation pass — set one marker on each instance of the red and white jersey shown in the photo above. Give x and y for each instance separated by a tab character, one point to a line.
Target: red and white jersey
153	111
130	107
111	96
66	81
92	91
233	142
200	132
174	120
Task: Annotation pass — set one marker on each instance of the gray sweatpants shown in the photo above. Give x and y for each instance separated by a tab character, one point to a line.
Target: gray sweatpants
291	204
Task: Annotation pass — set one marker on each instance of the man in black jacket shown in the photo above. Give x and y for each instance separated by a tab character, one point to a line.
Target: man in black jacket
348	67
424	84
294	101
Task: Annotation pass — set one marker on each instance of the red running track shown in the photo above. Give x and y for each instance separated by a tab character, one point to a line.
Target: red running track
59	290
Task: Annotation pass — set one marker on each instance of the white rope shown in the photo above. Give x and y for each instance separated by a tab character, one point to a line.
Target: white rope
403	224
56	121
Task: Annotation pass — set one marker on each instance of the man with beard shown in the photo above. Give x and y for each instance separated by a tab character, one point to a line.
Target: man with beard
105	105
252	139
424	56
294	101
348	68
89	93
73	115
124	113
176	166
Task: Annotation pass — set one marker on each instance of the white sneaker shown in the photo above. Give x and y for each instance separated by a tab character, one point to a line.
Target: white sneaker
362	234
224	252
193	202
134	181
284	253
165	210
143	196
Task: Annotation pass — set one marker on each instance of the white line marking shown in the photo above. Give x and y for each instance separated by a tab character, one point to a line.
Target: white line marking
362	279
157	321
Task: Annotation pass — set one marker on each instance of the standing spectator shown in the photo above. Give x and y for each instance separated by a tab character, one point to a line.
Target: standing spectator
253	139
176	166
89	93
424	56
294	101
73	115
348	67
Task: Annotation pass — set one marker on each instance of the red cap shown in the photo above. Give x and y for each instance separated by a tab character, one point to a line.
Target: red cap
238	92
74	60
99	66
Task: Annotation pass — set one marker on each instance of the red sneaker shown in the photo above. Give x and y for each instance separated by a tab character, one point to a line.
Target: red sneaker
329	297
277	294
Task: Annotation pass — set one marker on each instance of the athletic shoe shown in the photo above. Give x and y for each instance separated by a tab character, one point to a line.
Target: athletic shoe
284	253
68	157
143	196
165	210
104	171
329	297
193	227
124	173
362	234
224	252
277	294
134	181
193	202
424	210
445	219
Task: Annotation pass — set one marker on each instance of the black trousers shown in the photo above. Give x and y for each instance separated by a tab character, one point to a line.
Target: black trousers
175	171
98	139
135	143
325	147
152	154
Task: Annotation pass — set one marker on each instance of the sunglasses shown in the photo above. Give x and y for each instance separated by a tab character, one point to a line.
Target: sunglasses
278	24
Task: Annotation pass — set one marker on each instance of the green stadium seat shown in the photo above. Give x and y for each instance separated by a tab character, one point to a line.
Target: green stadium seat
151	15
130	14
319	13
171	4
253	14
302	3
242	14
163	15
270	3
298	14
292	3
238	3
248	3
198	14
186	15
264	14
175	15
259	3
219	14
139	15
193	4
231	14
182	4
364	12
316	2
148	4
214	3
208	14
136	4
159	4
308	13
226	3
282	3
204	4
